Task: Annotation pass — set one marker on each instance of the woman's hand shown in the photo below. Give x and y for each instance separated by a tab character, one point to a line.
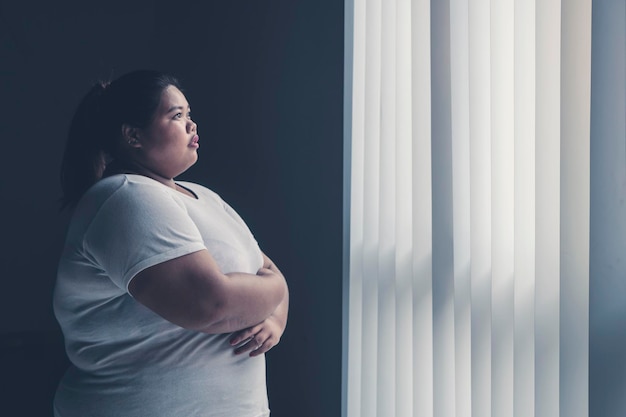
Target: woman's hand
260	338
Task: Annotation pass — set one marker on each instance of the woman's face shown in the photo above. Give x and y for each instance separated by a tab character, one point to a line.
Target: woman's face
168	146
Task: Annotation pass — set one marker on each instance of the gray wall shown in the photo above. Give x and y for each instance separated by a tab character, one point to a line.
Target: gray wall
265	80
607	287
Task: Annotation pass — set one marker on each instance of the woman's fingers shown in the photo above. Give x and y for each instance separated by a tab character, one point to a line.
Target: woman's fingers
263	347
253	343
256	339
257	344
244	335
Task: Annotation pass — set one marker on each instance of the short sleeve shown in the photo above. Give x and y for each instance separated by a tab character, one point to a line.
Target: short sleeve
139	226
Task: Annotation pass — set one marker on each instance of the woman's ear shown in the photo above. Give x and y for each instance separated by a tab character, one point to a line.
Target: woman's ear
130	134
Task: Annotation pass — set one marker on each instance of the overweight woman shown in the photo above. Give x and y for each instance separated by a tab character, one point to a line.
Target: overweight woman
166	302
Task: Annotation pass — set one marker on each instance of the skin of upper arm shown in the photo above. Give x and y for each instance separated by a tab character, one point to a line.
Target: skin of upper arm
187	291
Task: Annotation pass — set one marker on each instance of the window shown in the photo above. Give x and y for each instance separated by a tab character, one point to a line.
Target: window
467	208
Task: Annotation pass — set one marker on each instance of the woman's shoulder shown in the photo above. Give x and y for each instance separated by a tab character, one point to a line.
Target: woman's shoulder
125	196
100	192
121	183
129	188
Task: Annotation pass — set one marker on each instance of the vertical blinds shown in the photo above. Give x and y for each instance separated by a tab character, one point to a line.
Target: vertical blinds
467	208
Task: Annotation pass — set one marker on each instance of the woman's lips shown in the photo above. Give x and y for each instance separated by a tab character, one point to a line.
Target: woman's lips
194	142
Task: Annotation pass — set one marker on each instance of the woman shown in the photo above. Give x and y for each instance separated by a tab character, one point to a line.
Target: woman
161	287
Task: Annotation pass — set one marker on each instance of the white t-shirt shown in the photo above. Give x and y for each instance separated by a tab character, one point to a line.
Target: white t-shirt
126	360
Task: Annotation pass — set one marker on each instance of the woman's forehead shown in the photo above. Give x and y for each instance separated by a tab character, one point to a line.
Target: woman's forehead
171	98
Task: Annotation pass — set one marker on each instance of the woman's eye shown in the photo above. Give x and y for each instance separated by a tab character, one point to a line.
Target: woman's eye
178	115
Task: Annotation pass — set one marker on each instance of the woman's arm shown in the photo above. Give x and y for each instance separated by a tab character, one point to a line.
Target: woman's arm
192	292
282	310
262	337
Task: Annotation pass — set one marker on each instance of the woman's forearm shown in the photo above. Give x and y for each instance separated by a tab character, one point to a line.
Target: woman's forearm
247	299
262	337
282	310
192	292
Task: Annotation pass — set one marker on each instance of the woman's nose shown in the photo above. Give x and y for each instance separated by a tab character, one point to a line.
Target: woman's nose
192	126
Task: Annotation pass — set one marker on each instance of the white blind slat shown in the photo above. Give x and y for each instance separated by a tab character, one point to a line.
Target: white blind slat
547	249
387	216
524	365
353	388
371	215
480	205
443	252
404	219
502	203
575	206
423	391
459	73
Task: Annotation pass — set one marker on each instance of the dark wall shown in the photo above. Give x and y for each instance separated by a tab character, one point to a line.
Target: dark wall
607	268
264	79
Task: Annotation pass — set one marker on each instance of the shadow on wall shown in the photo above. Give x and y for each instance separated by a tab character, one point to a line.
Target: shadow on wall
31	365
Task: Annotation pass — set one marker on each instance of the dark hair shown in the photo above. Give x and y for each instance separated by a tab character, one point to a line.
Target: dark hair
95	133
